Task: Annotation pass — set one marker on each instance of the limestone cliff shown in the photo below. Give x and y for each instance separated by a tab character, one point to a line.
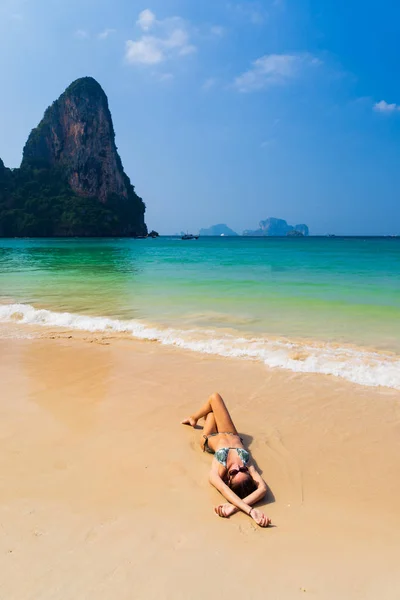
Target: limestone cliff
302	228
5	181
276	227
71	180
77	134
220	229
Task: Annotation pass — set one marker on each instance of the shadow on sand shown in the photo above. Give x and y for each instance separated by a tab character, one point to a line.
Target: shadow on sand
269	498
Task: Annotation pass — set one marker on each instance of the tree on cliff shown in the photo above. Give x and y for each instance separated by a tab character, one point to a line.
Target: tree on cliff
71	181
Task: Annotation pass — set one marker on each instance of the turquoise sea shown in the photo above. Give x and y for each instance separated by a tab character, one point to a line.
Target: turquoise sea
328	305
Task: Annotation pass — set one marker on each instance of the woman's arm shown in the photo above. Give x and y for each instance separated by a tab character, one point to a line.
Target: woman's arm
226	491
259	493
235	502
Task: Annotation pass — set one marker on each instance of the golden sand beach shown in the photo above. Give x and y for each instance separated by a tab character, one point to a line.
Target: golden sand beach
104	495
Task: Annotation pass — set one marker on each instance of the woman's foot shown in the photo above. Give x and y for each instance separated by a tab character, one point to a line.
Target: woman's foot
189	421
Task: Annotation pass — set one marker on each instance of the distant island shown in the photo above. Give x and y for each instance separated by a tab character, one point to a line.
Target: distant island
278	227
220	229
71	181
268	228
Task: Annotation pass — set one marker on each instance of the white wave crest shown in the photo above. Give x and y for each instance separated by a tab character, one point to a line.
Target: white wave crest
354	364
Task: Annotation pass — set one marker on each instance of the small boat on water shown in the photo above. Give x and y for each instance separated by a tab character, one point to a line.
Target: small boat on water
189	236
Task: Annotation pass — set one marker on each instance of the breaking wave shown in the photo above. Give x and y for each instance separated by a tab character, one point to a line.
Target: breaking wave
357	365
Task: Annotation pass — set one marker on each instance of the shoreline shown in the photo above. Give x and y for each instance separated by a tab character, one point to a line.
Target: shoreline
363	365
102	487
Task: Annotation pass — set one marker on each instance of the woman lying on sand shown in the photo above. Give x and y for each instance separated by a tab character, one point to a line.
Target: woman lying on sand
231	471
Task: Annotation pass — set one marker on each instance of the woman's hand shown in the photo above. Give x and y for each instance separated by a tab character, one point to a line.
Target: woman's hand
259	518
225	510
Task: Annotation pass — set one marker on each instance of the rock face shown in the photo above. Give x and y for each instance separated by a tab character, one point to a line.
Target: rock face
220	229
5	183
71	165
77	134
302	228
276	227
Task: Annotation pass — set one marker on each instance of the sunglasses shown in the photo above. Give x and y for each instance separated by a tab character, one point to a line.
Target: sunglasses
234	472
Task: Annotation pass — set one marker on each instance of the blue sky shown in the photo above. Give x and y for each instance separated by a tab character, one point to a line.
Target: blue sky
225	111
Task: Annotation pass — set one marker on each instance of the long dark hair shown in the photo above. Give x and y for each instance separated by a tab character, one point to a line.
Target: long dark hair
243	488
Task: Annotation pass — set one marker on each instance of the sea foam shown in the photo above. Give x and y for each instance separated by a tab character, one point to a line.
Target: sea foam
357	365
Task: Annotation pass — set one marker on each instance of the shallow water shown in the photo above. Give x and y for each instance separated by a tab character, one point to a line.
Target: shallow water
294	303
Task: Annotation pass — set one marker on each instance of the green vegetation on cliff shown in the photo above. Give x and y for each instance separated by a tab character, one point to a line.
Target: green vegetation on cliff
71	181
38	202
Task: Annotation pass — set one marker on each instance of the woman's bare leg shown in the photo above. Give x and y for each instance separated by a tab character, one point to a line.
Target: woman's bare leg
210	427
215	405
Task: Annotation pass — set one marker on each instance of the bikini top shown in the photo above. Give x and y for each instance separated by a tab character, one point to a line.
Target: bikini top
222	454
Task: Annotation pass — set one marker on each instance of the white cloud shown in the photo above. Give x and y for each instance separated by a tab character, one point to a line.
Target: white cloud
209	83
187	49
217	30
257	18
103	35
252	12
82	34
145	51
384	107
172	40
146	19
273	69
267	143
166	77
12	10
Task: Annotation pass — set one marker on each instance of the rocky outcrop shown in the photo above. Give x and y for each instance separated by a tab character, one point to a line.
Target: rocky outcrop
71	180
302	228
220	229
5	183
4	172
77	134
276	227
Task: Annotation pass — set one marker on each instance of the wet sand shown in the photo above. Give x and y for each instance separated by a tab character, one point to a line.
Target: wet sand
105	495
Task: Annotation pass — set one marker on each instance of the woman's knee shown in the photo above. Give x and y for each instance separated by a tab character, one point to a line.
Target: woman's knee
216	398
